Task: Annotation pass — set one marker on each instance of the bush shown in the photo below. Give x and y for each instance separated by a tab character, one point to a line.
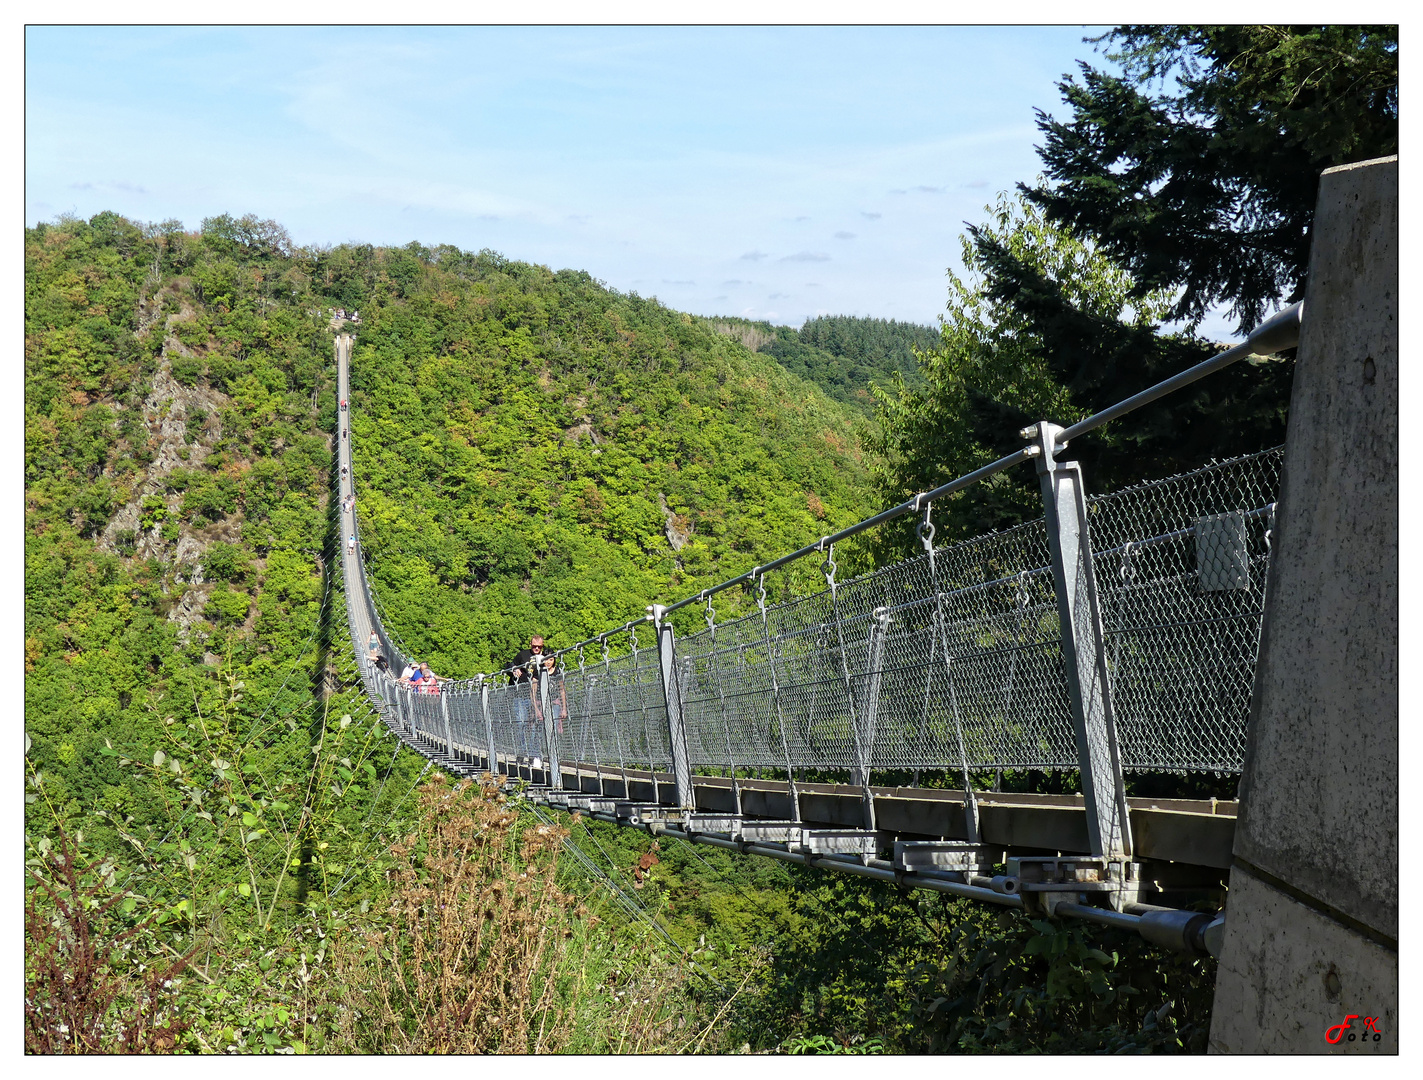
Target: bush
227	608
226	562
83	993
482	952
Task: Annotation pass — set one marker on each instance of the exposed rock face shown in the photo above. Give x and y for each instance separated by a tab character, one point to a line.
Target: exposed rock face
679	529
166	413
189	609
583	430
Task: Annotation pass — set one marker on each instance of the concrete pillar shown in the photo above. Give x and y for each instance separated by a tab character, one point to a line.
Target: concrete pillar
1311	932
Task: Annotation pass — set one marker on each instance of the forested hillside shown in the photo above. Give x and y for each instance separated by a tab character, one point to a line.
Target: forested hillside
535	453
841	354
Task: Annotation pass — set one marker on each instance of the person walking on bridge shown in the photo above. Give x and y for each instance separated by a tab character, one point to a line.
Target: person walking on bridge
524	671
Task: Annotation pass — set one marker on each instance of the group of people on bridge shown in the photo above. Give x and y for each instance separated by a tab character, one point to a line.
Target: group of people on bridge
415	676
530	669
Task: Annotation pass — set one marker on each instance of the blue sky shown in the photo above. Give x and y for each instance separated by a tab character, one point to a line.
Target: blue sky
774	173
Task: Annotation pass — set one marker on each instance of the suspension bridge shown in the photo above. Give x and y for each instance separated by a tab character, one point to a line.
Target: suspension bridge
1118	634
1115	634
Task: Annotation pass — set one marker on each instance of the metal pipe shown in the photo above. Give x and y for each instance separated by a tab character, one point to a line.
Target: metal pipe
844	865
1100	915
1273	335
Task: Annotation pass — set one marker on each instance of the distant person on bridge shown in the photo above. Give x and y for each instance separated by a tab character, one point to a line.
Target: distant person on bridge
351	545
524	672
406	672
429	684
343	404
373	646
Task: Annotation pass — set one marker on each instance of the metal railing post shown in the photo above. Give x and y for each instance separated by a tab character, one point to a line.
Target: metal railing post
449	735
551	773
1084	650
492	763
676	728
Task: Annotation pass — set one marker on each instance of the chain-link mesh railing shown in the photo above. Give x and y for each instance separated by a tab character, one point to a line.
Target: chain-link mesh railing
1180	566
870	675
617	712
951	661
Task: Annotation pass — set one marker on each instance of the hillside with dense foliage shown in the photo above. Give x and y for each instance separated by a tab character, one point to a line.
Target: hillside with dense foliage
843	355
203	778
535	453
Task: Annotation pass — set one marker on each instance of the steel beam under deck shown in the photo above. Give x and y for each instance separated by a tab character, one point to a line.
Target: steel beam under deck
1195	832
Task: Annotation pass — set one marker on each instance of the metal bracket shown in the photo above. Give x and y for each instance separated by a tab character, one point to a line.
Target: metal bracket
858	842
1046	881
712	823
940	855
638	814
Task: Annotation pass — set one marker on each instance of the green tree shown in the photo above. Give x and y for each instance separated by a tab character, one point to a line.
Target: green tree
1046	326
1208	189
